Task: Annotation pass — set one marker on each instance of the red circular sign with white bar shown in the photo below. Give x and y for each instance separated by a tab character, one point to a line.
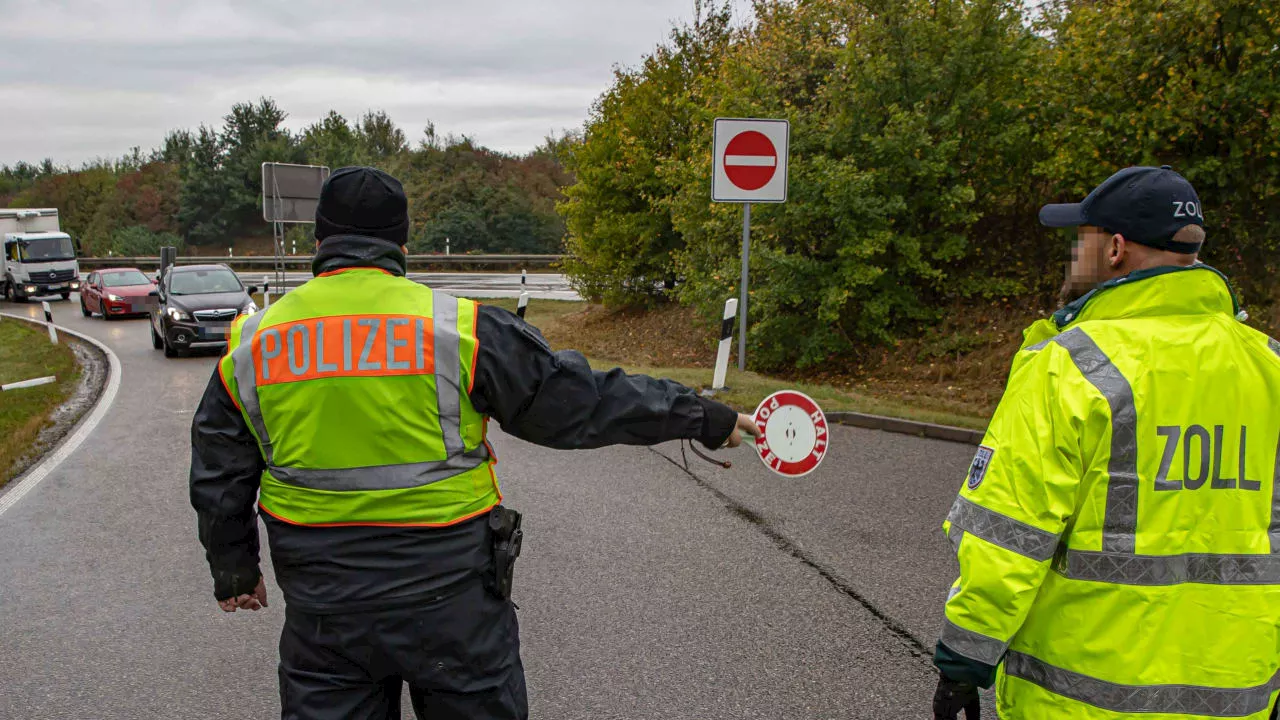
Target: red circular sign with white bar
750	160
794	438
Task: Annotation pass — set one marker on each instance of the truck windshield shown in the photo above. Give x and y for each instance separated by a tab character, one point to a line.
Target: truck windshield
124	278
201	282
47	250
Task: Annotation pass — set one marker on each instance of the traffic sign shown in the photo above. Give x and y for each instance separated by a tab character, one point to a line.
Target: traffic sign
750	158
794	439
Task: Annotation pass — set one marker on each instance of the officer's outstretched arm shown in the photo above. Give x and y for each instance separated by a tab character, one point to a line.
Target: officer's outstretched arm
555	398
1019	494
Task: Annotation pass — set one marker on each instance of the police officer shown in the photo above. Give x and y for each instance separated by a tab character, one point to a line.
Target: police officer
1119	530
354	412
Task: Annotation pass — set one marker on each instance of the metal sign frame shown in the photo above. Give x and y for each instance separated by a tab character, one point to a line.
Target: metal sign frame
290	194
731	128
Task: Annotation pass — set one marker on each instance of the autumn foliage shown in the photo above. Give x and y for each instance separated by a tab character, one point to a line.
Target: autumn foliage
202	189
925	136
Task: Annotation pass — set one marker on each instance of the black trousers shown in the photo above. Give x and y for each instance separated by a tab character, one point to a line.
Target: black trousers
460	656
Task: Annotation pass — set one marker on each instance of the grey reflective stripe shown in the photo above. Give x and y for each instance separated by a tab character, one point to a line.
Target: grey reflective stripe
1168	699
1002	530
1120	524
448	370
973	645
1274	530
1274	345
247	382
1040	345
1203	568
382	477
955	535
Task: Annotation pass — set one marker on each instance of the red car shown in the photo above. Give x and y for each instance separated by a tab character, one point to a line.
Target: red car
116	292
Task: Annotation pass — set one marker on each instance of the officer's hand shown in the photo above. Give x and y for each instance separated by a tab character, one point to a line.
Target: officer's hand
253	601
952	696
746	426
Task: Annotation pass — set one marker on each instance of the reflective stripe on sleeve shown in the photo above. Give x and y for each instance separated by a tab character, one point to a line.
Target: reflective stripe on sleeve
1166	699
1120	524
1010	534
1274	530
1153	570
1274	345
973	645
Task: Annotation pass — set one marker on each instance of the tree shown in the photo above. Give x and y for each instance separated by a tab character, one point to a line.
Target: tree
622	240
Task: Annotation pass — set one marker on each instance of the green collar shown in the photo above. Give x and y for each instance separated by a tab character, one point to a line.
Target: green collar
1073	311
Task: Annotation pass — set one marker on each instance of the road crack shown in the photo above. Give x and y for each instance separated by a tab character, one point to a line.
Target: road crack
792	548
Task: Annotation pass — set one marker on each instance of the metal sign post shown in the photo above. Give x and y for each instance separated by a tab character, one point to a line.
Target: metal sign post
742	294
749	166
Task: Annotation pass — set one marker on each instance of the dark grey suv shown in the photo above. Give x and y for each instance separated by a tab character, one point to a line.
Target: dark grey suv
195	305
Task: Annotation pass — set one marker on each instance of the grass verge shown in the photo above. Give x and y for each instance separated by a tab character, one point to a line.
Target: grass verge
26	353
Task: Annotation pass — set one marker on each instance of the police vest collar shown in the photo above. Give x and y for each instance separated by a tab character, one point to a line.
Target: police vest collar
1167	290
342	252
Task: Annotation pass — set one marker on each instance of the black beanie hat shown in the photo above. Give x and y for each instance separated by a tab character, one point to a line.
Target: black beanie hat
363	201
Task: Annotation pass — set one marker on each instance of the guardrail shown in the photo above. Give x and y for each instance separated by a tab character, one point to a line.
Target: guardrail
304	261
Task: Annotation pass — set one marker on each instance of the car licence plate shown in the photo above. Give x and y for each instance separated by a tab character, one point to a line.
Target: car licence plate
216	332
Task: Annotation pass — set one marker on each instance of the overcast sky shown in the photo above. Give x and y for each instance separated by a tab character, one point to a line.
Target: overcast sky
83	79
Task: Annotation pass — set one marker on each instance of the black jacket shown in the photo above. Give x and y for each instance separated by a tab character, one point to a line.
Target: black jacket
549	398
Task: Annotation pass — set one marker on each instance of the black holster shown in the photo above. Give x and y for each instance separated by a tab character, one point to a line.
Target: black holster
507	539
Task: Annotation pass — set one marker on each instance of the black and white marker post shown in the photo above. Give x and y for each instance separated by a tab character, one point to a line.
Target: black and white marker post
749	166
523	304
726	343
48	320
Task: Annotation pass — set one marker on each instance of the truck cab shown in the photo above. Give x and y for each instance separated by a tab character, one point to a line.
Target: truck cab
39	259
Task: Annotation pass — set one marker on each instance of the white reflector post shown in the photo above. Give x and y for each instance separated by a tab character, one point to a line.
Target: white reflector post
522	305
266	291
48	319
29	383
726	342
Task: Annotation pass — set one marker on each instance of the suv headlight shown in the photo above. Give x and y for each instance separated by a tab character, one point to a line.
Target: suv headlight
114	298
177	314
249	309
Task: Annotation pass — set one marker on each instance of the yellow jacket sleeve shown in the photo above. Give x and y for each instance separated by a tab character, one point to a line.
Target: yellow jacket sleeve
1017	498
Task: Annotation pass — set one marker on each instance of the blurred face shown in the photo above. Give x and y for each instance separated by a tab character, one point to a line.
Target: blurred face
1094	259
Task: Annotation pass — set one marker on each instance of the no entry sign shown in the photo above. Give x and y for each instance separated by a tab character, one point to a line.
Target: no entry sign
750	159
794	440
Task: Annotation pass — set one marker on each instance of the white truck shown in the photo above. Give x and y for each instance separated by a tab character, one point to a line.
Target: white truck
39	259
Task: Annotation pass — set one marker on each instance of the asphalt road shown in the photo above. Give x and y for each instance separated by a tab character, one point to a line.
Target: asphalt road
540	286
645	591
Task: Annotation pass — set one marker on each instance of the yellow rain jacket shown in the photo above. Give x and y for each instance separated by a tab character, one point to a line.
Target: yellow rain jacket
1119	530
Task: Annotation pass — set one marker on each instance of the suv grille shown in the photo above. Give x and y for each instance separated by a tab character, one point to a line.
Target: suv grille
220	315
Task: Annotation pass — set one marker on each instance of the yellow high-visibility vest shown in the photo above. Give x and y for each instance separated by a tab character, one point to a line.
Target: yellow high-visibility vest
1119	530
356	387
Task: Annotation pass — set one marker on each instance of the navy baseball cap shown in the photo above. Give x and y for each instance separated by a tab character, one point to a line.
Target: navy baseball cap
1146	205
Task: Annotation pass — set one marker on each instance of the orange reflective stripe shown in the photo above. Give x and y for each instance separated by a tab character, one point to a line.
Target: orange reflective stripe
455	521
225	386
344	346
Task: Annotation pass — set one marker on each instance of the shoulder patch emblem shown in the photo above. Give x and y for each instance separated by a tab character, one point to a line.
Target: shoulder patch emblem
978	470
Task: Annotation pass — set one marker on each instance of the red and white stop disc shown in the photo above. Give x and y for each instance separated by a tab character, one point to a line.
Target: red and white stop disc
794	439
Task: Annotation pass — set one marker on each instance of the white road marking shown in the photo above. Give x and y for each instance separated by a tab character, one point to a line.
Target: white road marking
86	426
